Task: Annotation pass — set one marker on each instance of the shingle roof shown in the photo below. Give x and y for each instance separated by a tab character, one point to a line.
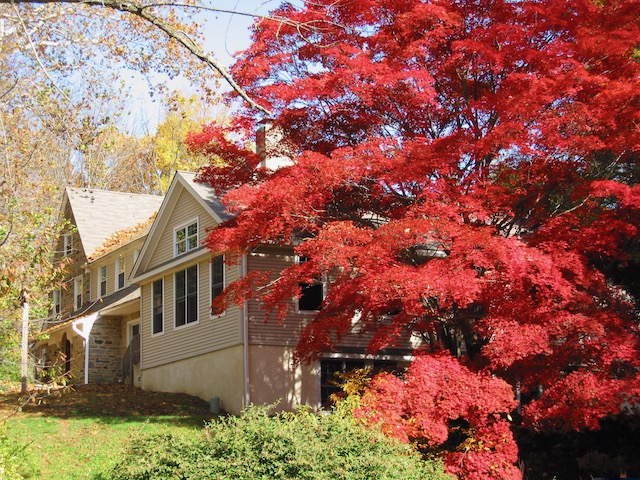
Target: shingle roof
127	294
99	214
207	193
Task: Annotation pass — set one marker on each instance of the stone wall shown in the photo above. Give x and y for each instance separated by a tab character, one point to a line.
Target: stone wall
105	357
77	359
75	268
51	356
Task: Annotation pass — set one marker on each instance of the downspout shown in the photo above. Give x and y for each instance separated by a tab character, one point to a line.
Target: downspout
245	338
83	327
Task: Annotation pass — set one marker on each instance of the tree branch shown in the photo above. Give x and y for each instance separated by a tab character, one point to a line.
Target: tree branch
145	13
35	52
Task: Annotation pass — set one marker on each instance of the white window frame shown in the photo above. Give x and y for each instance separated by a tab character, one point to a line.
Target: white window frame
186	240
159	332
224	282
67	244
120	266
175	298
56	308
78	291
101	270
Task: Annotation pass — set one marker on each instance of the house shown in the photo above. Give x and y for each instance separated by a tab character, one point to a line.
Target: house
235	358
96	311
137	306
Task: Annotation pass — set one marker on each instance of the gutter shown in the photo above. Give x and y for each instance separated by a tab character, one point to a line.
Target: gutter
245	339
83	327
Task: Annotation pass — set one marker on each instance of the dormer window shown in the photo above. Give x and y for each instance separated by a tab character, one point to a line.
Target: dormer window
186	238
78	297
120	273
102	281
56	302
67	247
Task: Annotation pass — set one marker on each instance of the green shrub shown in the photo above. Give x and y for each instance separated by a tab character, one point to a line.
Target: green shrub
302	445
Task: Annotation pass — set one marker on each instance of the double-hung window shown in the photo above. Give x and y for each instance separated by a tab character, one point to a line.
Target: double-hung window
217	276
119	273
186	238
102	281
186	296
157	307
67	247
56	302
77	293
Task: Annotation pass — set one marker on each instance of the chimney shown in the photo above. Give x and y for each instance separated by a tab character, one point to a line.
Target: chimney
271	147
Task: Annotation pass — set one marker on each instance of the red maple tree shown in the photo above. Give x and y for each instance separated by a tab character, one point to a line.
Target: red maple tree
465	169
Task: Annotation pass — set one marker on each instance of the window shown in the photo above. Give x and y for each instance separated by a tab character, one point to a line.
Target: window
56	302
157	307
77	293
330	380
217	276
186	238
102	281
331	370
67	239
186	296
311	294
120	273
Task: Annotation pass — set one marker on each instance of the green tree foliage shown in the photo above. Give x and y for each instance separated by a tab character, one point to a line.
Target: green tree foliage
302	445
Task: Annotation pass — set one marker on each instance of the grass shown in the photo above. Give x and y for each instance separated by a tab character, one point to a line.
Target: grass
78	434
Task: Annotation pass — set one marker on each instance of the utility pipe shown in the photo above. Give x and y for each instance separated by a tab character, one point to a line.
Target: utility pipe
83	327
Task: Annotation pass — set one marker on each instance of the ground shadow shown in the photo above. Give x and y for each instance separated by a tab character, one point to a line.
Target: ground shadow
110	404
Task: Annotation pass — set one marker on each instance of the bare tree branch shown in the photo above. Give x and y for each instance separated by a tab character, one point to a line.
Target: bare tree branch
35	52
144	11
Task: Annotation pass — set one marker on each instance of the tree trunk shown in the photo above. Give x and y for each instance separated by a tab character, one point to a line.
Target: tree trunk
24	364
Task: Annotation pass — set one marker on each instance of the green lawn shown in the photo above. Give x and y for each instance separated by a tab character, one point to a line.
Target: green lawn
76	448
78	434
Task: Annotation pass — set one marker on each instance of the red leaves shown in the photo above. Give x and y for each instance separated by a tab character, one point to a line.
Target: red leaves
437	392
578	400
463	170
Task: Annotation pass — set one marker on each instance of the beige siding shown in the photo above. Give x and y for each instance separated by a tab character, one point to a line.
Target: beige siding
287	333
109	261
206	335
187	209
274	377
216	374
272	332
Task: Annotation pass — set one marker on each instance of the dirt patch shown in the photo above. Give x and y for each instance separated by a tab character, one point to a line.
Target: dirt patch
102	400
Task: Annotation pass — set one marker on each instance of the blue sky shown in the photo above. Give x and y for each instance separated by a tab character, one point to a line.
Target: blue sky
225	33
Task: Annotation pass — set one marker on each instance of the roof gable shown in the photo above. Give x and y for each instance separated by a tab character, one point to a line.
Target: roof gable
183	183
98	214
205	194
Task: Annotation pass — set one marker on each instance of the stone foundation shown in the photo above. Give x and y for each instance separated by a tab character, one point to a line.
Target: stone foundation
105	357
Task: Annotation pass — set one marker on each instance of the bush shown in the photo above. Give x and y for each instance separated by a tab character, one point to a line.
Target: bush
302	445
